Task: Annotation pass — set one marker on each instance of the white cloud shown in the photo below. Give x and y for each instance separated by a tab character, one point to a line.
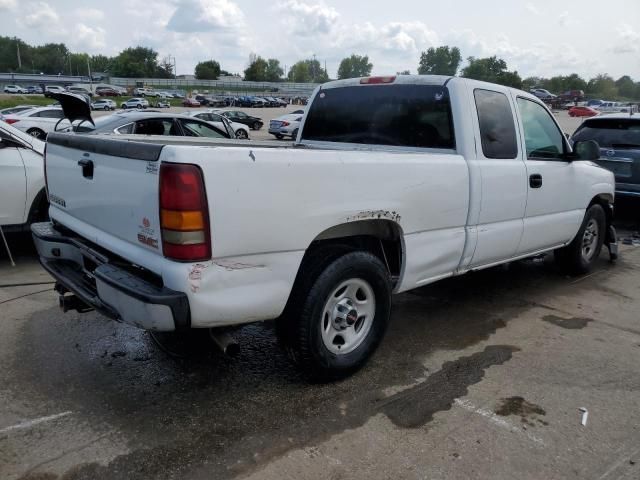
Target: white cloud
89	38
40	14
628	40
306	19
206	16
8	4
91	14
532	8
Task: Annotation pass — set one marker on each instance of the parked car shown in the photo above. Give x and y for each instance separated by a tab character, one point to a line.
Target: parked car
239	130
285	126
572	95
237	116
190	102
594	103
177	95
259	102
618	136
153	123
38	121
14	89
582	112
165	95
49	89
399	182
16	109
80	90
107	92
543	94
103	104
23	199
201	99
135	103
32	89
162	104
145	92
612	107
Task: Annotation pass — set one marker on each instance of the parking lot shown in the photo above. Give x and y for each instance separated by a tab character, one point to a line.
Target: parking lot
480	376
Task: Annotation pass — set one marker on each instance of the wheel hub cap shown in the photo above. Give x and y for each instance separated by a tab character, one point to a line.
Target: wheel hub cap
347	316
590	240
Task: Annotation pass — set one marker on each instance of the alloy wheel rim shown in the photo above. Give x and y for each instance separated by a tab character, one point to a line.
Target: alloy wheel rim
590	240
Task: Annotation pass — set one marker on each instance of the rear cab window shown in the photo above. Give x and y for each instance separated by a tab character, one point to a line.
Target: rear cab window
391	115
617	133
497	125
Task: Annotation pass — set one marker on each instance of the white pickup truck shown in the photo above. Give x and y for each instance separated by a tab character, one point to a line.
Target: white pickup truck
391	184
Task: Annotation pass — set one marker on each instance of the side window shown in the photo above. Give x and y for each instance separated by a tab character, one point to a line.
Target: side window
155	126
200	129
497	127
125	129
542	137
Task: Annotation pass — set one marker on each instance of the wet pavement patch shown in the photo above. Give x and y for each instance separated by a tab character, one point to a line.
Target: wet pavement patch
575	323
518	406
416	406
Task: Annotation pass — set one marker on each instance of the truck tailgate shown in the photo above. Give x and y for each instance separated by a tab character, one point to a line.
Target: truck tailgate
105	185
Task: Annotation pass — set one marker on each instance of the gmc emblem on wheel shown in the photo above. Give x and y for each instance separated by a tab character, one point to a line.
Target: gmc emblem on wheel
611	153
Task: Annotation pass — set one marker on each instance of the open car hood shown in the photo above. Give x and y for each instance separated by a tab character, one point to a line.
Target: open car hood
76	107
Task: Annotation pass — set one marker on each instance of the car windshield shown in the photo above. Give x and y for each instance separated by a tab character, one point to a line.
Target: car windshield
610	133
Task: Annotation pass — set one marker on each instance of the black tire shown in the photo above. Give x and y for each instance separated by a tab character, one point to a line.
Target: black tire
256	126
300	327
37	133
279	136
106	109
294	135
242	135
577	258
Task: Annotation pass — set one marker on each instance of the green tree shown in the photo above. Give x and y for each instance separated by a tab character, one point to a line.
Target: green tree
100	63
209	70
257	69
136	62
602	86
440	61
626	87
491	69
355	66
273	72
307	71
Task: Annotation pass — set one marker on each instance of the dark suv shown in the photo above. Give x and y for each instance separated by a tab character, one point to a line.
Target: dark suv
619	138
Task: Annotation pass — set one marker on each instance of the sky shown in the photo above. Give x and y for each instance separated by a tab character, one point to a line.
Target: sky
535	37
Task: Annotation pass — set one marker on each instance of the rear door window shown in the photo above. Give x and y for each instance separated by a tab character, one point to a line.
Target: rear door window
394	115
610	133
497	126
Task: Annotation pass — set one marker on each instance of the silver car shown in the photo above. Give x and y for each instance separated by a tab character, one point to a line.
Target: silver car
135	103
103	104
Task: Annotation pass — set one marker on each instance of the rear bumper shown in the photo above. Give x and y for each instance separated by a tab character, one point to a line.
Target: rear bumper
103	285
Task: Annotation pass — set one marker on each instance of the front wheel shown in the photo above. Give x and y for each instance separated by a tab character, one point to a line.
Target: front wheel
106	109
256	126
242	134
337	314
581	254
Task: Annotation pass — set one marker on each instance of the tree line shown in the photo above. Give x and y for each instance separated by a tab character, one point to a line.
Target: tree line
142	62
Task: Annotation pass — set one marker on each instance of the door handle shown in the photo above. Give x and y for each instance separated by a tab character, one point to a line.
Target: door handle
87	168
535	180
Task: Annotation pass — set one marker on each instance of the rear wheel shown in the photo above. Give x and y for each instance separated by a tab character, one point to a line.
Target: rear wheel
256	125
37	133
580	255
242	134
294	135
337	313
106	109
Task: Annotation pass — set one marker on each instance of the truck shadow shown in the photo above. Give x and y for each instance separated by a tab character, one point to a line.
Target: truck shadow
178	414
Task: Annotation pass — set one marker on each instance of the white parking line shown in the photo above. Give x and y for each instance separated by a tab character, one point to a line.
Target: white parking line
35	421
496	420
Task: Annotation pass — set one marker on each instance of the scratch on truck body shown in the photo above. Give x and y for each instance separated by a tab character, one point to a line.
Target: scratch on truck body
374	215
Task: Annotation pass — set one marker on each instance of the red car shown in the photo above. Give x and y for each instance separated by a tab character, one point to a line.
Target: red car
582	112
190	102
106	92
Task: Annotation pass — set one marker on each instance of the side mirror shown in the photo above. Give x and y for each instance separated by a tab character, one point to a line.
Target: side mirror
588	150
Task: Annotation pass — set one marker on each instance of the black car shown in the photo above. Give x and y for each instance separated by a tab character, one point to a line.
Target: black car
204	101
254	123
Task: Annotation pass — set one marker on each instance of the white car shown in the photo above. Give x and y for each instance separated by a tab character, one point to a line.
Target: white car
395	183
22	194
145	92
38	121
164	95
285	126
103	104
135	103
14	89
240	130
16	109
49	89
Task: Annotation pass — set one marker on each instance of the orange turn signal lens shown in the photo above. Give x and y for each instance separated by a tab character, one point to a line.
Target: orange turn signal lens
184	221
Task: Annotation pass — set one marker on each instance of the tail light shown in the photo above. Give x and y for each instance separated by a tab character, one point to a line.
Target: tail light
284	124
377	80
11	121
184	213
